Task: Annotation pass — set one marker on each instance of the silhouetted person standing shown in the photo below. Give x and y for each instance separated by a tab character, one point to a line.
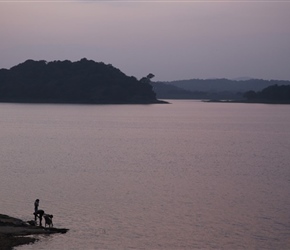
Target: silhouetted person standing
36	204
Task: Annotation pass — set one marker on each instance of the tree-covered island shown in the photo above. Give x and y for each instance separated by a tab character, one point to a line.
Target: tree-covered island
84	81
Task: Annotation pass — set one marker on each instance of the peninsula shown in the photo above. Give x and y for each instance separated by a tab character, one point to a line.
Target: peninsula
84	81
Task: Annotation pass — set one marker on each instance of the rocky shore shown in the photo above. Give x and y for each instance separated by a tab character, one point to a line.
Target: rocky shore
15	232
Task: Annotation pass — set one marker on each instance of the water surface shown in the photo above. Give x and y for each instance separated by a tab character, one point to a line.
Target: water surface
189	175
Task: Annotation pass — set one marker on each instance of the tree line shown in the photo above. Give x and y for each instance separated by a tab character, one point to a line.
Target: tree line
84	81
272	94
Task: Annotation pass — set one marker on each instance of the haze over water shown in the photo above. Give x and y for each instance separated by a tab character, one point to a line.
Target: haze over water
189	175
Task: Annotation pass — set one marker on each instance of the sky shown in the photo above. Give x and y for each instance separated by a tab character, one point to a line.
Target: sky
174	40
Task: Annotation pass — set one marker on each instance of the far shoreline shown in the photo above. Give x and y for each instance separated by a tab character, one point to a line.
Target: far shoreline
83	103
248	102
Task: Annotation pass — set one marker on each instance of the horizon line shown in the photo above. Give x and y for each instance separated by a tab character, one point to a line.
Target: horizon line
145	1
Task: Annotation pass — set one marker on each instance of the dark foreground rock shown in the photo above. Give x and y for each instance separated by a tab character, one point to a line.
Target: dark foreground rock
14	232
7	242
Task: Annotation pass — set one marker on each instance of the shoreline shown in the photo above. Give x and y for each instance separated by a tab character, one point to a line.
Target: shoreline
15	232
248	102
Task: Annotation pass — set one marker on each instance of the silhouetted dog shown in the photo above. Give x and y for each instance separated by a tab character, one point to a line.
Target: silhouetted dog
48	220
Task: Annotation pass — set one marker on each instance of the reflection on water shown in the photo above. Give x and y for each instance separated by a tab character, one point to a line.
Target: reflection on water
188	175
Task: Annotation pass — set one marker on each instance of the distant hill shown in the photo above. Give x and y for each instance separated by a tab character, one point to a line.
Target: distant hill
84	81
212	88
244	78
168	91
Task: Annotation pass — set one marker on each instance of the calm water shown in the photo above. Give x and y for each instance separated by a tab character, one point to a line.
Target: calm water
189	175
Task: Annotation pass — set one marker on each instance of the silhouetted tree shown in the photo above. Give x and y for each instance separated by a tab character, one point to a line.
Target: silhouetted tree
147	79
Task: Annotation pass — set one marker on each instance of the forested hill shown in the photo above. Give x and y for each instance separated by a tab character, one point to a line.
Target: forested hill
84	81
211	88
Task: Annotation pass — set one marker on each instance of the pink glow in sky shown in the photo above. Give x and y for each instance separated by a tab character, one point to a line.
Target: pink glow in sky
173	40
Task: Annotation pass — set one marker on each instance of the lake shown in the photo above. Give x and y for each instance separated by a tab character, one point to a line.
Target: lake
185	175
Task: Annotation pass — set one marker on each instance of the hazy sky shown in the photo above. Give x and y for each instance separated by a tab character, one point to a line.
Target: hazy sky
172	39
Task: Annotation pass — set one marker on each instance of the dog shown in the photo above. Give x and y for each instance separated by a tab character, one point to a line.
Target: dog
48	220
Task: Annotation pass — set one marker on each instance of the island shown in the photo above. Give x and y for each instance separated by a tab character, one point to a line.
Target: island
80	82
14	232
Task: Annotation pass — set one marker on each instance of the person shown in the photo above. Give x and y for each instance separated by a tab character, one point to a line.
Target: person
36	204
48	220
39	213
